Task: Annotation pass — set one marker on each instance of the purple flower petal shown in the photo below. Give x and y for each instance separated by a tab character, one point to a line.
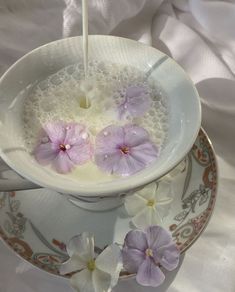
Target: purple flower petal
157	237
62	163
136	239
127	165
135	91
132	259
75	134
56	131
143	251
149	274
108	139
167	256
80	154
137	102
45	153
107	162
116	163
145	153
63	145
134	135
124	150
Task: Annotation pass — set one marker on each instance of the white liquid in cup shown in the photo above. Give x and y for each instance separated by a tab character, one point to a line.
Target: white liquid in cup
59	97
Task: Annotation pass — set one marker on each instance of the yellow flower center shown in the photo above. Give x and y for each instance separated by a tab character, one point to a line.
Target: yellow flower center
62	147
149	252
151	203
124	149
91	265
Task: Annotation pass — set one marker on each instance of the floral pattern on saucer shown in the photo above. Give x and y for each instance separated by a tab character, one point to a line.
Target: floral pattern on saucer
193	207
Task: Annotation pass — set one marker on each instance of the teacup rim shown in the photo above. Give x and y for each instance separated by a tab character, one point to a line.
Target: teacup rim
101	189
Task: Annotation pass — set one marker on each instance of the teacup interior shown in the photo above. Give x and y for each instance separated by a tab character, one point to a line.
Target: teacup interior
184	108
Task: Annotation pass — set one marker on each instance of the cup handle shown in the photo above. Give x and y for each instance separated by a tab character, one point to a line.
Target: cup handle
11	181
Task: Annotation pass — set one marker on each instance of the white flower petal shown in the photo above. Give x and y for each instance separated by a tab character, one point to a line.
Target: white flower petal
148	192
147	217
141	220
155	217
165	201
75	263
82	281
162	210
134	204
101	281
164	192
82	245
110	262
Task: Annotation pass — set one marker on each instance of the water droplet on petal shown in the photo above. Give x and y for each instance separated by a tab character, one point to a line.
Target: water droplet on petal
68	128
106	156
125	106
67	146
84	136
106	133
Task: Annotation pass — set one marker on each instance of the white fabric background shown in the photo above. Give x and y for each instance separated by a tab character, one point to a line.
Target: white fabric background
199	35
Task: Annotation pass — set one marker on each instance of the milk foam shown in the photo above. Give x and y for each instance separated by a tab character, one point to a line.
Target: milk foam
59	97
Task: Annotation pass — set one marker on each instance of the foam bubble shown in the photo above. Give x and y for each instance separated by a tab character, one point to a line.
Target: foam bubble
59	97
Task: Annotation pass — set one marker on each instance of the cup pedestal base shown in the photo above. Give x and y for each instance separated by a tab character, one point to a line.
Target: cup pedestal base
97	204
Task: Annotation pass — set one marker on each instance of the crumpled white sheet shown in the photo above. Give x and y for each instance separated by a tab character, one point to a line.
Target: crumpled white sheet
199	35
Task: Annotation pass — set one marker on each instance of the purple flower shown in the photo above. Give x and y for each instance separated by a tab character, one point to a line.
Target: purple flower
144	251
63	146
124	150
136	101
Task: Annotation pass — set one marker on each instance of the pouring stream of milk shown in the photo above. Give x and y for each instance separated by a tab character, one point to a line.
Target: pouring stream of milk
85	41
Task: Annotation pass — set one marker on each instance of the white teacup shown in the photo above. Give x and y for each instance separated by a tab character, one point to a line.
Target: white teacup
184	121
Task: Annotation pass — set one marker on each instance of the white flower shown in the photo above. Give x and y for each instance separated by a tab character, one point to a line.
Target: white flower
92	274
149	205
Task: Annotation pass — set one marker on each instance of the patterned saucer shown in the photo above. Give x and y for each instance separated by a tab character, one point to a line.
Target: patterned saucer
37	224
